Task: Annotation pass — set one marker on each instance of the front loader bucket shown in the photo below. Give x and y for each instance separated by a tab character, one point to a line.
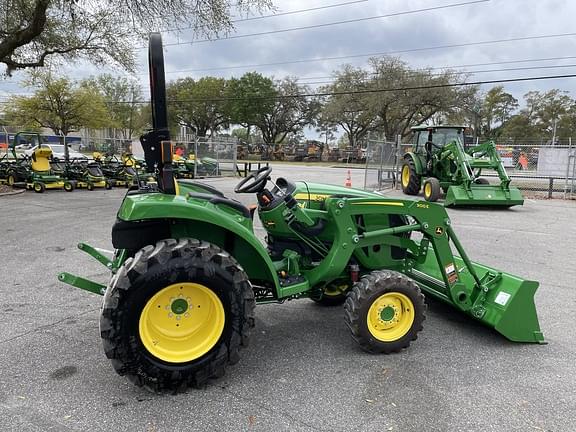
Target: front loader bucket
507	306
483	195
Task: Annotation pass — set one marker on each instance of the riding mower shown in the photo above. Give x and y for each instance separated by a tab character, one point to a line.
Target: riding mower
188	269
33	172
439	158
5	164
184	168
116	172
81	174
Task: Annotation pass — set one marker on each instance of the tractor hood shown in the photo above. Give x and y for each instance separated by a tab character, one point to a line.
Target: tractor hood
306	191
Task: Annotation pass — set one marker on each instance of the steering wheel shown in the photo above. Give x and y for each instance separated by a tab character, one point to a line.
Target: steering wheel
255	182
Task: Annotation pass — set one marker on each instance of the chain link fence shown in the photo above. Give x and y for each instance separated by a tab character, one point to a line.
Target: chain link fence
381	165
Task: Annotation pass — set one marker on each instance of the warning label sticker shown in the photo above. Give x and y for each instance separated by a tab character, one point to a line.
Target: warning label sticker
451	273
502	298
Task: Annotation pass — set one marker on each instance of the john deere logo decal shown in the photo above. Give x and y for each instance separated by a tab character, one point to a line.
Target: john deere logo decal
439	230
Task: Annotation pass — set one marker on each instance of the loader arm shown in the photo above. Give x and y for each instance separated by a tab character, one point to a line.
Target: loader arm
485	156
499	300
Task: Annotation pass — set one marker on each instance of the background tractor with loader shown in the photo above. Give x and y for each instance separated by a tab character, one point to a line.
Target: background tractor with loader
439	162
188	269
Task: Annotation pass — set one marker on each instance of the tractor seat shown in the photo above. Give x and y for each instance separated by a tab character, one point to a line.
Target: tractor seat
40	159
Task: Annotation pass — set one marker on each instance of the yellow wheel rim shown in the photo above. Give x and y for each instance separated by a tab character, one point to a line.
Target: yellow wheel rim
181	322
37	187
405	175
390	317
11	180
427	190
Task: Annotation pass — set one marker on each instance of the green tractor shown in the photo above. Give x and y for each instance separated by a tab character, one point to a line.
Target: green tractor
440	162
188	269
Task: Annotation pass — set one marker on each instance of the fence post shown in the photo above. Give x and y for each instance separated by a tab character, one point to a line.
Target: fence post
196	160
550	187
397	159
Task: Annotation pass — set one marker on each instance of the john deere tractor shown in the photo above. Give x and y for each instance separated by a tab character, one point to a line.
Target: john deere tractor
439	162
188	269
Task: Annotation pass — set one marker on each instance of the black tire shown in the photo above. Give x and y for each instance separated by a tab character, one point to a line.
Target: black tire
148	272
482	181
38	187
432	189
368	291
409	178
108	185
90	186
11	179
68	186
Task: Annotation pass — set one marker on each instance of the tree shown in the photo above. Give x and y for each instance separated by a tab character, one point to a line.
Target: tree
58	104
497	108
252	96
105	31
415	96
545	110
351	110
122	96
287	114
200	105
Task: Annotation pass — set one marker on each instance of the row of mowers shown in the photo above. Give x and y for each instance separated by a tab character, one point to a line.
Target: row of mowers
40	170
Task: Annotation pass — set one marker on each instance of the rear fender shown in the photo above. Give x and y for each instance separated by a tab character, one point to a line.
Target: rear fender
147	218
418	164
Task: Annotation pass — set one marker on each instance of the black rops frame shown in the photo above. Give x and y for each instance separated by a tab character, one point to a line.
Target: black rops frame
152	140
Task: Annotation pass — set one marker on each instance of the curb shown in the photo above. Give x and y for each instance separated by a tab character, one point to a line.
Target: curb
15	192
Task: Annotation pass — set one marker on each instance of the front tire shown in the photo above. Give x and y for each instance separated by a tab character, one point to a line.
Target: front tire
410	179
432	189
38	187
384	311
11	179
167	341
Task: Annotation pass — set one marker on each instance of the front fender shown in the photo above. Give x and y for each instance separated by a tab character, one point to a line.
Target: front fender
181	217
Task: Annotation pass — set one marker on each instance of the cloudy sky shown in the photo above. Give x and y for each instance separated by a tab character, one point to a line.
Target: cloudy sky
421	32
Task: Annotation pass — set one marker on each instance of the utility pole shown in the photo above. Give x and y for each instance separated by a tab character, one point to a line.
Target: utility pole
554	132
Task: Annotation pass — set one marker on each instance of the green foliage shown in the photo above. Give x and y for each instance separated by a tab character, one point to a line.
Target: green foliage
200	105
497	108
426	94
58	104
122	97
253	95
286	114
349	111
35	31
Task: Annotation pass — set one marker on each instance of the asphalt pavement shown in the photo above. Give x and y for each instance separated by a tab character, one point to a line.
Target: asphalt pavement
302	371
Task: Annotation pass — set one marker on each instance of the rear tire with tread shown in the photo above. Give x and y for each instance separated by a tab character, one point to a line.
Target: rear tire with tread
141	277
411	185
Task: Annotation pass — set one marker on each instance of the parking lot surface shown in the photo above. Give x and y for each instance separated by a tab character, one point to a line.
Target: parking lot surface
302	371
